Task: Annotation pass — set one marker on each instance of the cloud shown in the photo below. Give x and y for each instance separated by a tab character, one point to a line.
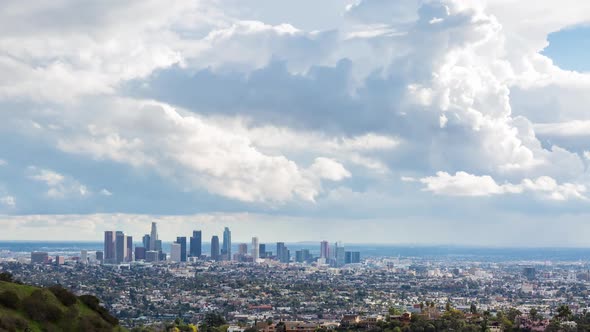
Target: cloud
465	184
59	186
329	169
8	200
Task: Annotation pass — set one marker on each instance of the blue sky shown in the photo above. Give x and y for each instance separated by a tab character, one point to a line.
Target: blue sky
421	122
570	48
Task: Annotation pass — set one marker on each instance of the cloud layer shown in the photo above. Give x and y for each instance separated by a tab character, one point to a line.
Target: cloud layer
376	111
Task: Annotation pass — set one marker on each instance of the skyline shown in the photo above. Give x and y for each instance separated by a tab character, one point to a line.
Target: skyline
421	122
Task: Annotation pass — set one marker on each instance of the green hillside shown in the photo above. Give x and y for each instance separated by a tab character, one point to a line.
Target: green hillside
28	308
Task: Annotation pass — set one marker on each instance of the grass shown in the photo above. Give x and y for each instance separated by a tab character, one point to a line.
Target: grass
72	317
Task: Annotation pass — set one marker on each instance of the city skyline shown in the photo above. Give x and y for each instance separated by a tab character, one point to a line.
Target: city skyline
369	121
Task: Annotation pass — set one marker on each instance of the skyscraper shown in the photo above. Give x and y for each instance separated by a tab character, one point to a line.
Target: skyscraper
146	242
109	247
120	247
215	248
196	244
339	255
176	252
262	250
324	249
283	254
255	248
182	241
226	249
243	249
129	249
154	237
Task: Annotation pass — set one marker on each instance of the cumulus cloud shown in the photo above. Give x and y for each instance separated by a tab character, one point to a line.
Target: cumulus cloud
59	186
465	184
214	98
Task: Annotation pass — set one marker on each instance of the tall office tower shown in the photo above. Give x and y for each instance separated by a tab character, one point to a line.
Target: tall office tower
243	249
84	256
152	256
182	241
140	253
154	237
39	257
226	249
120	247
355	257
280	248
146	242
348	257
302	256
100	256
283	253
129	248
262	250
339	254
215	248
324	249
196	244
176	252
255	248
158	247
109	247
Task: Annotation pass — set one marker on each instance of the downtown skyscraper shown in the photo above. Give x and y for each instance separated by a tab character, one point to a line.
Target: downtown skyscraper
154	238
255	249
196	244
109	247
226	249
215	248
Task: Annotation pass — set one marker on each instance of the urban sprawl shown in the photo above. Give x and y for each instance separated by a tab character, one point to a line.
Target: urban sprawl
266	288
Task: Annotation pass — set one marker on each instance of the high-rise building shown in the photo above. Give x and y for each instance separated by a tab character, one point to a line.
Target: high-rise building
324	249
154	237
84	256
140	253
226	249
146	242
60	260
243	249
176	252
39	257
262	250
158	247
302	256
255	248
129	249
120	247
355	257
283	254
196	244
182	241
100	256
109	247
215	248
339	255
152	256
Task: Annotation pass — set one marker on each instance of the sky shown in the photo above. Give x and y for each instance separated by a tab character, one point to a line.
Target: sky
461	122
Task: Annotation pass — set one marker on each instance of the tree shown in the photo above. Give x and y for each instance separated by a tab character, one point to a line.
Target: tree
564	312
473	308
534	314
9	299
6	276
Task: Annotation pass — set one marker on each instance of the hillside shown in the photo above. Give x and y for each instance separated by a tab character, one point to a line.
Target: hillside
28	308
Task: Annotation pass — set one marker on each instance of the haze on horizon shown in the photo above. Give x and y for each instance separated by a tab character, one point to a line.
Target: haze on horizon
366	121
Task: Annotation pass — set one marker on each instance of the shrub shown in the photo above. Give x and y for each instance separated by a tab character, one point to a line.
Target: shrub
64	296
6	276
37	307
93	303
8	323
9	299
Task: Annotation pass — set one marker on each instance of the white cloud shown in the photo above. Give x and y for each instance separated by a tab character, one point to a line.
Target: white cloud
465	184
59	186
8	200
329	169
